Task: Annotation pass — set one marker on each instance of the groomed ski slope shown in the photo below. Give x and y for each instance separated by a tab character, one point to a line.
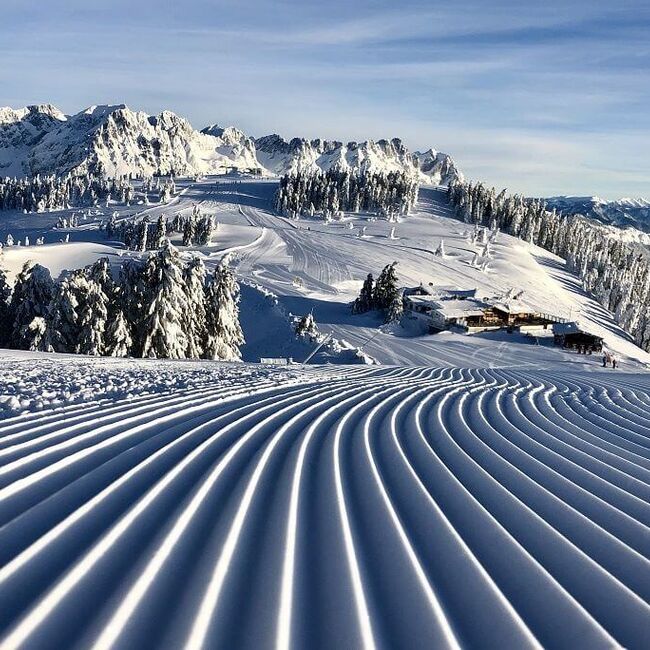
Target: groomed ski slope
336	507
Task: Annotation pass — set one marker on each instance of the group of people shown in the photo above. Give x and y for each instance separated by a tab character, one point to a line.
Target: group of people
609	359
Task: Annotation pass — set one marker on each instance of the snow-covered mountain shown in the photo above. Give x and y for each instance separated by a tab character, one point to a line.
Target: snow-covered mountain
119	141
624	213
279	156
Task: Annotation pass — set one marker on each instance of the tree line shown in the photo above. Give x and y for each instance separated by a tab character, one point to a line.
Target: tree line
615	272
334	191
41	193
161	307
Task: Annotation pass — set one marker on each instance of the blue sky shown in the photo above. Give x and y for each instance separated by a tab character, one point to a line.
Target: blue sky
540	97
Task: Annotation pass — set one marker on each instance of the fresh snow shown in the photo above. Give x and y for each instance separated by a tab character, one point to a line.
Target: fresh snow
188	504
473	490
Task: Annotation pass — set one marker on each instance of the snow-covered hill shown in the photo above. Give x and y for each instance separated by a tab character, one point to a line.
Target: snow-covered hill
119	141
624	213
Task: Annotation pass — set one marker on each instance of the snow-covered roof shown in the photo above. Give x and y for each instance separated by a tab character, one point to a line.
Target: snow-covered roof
450	292
427	301
460	308
512	306
571	328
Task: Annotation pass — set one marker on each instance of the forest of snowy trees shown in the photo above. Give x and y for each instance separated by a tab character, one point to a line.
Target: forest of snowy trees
42	193
160	307
616	273
332	192
383	294
142	234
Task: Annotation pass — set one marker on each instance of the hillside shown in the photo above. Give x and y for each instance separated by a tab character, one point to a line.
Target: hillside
118	141
312	266
194	504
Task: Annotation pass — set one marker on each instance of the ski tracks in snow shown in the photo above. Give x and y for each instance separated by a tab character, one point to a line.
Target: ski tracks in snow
354	508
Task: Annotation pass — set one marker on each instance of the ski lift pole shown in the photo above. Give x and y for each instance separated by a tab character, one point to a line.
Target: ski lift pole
318	347
374	336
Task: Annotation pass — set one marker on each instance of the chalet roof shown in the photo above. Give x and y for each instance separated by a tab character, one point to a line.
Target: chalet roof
439	292
572	328
460	308
511	306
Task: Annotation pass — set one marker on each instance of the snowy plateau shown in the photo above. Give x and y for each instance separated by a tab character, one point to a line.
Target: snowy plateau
401	490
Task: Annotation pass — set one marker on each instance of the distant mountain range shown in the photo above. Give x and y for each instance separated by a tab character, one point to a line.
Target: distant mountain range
624	213
118	141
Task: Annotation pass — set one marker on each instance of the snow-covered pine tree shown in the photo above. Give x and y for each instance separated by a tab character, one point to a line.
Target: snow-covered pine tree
189	231
386	287
306	326
6	325
93	319
142	235
30	299
118	341
164	335
160	234
132	301
365	300
224	334
62	318
395	309
195	317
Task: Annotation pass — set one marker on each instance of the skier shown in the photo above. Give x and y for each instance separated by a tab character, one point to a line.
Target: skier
614	363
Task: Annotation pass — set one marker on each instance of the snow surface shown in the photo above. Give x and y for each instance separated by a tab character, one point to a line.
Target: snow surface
192	504
312	266
480	491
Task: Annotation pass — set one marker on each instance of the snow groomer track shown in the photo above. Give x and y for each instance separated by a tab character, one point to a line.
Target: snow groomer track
332	508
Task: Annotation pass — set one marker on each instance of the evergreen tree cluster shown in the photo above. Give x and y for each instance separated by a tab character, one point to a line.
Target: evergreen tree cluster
334	191
162	307
142	234
616	273
41	193
384	294
164	188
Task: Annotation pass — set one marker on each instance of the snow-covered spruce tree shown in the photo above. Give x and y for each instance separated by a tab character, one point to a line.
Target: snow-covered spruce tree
395	309
195	317
189	231
160	235
118	341
30	299
93	320
366	298
62	318
165	308
6	326
223	331
34	335
306	327
386	288
142	237
133	300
